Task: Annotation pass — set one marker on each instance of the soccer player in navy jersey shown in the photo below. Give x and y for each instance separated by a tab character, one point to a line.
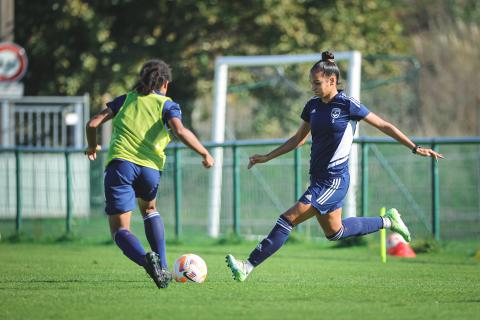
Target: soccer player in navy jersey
142	119
331	117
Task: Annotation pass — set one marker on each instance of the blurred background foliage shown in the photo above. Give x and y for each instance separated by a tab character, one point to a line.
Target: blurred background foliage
78	46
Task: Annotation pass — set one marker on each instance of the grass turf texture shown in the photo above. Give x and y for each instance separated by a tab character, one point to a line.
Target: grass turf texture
88	281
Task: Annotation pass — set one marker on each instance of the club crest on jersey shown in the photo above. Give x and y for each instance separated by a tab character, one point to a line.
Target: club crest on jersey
335	114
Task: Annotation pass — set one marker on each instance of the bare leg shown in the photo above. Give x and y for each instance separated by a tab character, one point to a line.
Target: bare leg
331	222
119	221
299	213
147	207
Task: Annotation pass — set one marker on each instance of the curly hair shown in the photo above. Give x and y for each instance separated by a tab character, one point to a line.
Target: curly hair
153	75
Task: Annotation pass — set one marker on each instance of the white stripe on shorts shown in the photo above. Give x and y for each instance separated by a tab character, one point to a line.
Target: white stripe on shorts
330	191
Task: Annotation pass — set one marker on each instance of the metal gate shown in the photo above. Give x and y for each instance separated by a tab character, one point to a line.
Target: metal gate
44	121
38	136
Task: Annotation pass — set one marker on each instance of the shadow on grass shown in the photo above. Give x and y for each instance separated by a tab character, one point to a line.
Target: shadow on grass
429	245
54	281
351	242
65	238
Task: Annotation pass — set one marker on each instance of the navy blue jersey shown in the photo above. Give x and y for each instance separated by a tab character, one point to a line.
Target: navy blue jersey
170	110
332	126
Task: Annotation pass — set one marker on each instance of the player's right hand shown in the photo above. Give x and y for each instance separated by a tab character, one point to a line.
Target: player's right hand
91	153
208	161
257	158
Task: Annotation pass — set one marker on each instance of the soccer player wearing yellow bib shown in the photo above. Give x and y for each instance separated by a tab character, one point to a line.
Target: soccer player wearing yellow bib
142	119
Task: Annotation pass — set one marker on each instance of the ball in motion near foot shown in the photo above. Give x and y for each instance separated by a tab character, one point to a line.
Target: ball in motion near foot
190	268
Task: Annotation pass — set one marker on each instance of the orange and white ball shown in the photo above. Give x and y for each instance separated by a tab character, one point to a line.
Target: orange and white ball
190	268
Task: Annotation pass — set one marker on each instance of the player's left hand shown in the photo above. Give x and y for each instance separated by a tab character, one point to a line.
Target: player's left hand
424	152
257	158
91	153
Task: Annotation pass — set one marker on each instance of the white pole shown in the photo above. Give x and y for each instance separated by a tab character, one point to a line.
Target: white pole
5	124
218	135
78	143
354	78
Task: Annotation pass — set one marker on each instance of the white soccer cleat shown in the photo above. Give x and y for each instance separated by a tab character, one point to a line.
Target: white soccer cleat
239	268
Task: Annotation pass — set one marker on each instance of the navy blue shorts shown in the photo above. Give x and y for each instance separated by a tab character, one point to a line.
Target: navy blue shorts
124	181
326	195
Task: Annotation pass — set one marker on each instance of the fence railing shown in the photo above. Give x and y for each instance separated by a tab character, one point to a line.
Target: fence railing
367	144
432	143
19	153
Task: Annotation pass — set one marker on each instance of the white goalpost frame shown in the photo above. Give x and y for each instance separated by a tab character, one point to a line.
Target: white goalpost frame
220	87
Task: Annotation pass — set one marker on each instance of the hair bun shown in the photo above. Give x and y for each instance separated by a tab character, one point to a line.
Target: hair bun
327	56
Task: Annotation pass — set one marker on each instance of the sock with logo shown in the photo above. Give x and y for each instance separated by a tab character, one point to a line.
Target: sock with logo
274	241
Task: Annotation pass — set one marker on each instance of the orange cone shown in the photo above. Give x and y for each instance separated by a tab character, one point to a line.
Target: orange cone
397	246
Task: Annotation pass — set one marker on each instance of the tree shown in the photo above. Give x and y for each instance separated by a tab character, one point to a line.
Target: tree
78	46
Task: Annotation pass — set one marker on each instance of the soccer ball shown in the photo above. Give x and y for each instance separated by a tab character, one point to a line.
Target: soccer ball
190	268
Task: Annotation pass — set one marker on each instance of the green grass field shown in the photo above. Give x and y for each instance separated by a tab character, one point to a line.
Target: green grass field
302	281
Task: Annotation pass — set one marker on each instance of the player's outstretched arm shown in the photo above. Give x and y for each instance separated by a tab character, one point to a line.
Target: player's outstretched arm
294	142
395	133
91	131
188	138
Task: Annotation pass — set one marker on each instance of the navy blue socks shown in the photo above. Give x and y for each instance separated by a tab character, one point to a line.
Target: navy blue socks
274	241
133	249
357	226
130	246
155	231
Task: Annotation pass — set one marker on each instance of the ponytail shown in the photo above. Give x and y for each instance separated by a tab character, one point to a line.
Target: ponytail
153	75
327	66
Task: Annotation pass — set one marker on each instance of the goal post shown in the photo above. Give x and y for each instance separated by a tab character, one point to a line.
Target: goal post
222	64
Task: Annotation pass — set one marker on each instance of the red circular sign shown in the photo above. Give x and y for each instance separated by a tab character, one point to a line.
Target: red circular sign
13	62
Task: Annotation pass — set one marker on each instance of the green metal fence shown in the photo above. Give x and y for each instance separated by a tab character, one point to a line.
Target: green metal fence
440	199
434	189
